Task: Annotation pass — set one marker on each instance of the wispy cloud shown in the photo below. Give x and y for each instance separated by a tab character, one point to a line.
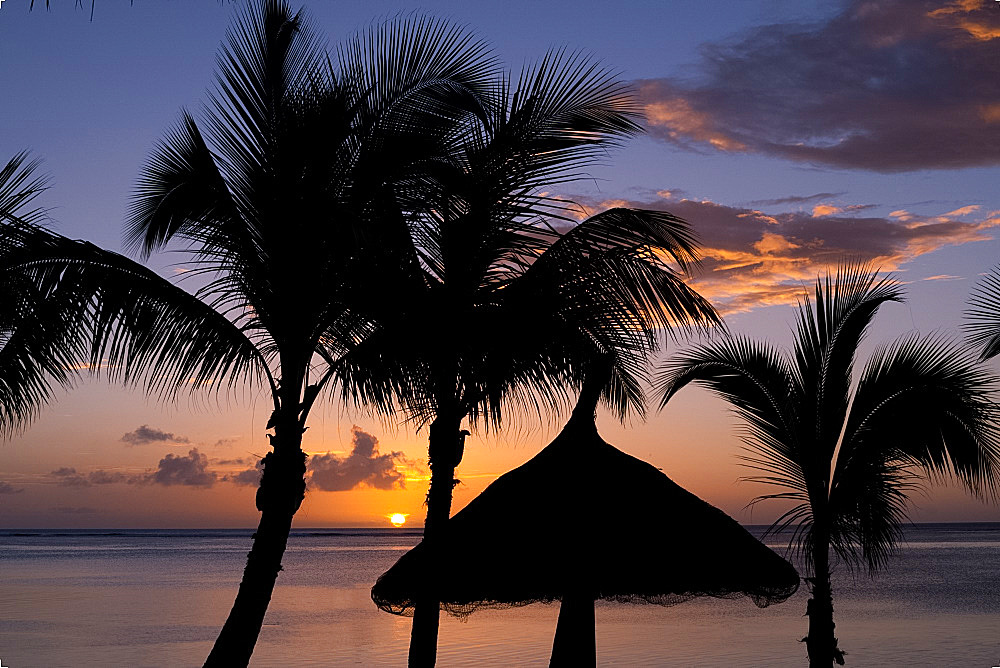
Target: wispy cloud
7	488
237	461
70	477
73	510
892	85
792	199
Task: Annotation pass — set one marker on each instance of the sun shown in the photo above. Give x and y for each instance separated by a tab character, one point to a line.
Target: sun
398	519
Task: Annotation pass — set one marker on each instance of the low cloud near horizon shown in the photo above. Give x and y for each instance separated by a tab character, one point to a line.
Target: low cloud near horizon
887	86
73	510
190	469
249	477
365	465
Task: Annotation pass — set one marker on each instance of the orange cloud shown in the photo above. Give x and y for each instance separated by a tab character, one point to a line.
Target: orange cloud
678	119
967	15
751	259
825	210
584	211
962	211
773	244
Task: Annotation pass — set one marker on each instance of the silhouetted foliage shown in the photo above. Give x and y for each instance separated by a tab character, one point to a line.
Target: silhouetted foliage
300	169
79	4
504	299
379	223
846	455
35	342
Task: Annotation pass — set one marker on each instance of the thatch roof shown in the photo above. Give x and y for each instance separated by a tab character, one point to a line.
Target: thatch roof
585	517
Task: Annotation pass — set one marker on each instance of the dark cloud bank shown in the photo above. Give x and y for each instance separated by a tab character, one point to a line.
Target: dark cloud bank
888	86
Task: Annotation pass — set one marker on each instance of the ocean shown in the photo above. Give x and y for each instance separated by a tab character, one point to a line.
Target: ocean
158	598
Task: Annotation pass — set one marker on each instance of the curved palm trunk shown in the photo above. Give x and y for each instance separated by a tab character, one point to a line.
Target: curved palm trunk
821	643
575	643
442	451
282	488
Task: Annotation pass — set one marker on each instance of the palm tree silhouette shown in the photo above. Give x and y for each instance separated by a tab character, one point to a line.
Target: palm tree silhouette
290	207
509	298
848	455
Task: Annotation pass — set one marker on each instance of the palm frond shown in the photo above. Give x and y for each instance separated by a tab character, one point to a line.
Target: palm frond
19	186
868	507
566	110
179	188
931	405
36	353
797	521
982	325
757	381
413	79
132	324
606	287
628	253
921	408
829	333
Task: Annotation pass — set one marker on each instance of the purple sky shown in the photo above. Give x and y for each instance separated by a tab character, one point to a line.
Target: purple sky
790	133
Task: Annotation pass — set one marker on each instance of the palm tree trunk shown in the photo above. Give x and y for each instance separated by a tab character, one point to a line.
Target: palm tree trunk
575	643
821	643
441	449
282	488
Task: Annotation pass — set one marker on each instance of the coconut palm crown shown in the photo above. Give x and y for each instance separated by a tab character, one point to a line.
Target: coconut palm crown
846	454
507	297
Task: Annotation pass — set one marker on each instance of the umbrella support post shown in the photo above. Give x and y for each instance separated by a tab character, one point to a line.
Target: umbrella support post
575	643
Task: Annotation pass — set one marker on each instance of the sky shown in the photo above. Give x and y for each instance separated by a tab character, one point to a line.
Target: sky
791	134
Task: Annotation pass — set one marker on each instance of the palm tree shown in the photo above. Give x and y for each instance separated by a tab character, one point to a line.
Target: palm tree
847	456
285	205
507	300
983	315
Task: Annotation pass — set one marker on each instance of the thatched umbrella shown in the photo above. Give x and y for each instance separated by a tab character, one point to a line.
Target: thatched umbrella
582	520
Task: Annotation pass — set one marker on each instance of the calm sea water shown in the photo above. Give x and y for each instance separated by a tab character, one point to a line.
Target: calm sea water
157	598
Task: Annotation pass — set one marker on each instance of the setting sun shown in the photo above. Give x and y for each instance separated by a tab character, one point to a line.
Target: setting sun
398	519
